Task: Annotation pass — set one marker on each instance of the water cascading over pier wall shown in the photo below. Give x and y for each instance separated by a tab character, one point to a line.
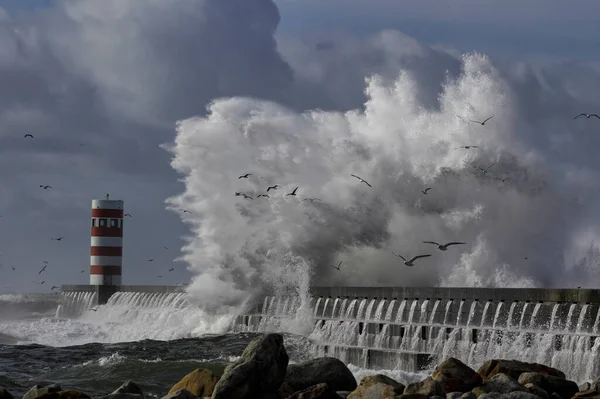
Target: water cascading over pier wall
410	328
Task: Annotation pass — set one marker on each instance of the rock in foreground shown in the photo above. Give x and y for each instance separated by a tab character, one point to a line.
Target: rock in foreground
514	368
455	376
200	382
327	370
259	372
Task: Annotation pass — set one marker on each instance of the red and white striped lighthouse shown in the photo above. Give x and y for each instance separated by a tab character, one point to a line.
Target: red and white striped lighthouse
106	253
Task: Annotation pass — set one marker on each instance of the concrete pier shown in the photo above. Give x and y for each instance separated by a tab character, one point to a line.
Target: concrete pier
106	291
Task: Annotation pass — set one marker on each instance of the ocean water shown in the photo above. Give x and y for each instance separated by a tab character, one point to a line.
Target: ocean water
154	345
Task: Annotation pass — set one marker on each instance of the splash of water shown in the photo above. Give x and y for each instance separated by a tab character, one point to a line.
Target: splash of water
513	229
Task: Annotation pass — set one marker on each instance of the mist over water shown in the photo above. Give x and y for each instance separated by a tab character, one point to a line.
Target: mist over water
536	229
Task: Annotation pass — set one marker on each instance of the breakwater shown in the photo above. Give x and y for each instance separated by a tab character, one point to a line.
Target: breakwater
410	328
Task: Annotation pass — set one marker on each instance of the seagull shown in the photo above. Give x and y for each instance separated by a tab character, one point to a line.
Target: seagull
45	187
245	176
82	271
128	214
247	196
503	179
43	268
171	269
483	123
486	169
443	247
57	239
13	268
275	187
338	266
293	192
95	309
410	262
45	262
151	260
361	179
53	287
28	135
165	247
587	116
42	283
313	199
82	144
467	147
186	211
263	195
426	190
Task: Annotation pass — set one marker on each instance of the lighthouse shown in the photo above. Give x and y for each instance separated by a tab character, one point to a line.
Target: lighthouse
106	252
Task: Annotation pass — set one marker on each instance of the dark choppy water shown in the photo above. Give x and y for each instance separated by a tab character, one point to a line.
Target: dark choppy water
98	369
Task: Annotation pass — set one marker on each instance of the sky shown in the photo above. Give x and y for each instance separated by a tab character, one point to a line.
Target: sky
122	97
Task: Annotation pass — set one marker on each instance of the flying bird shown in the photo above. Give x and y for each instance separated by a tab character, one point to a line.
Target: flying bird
13	268
43	268
587	116
486	169
338	266
83	271
247	196
312	199
95	309
45	187
151	260
361	179
426	190
245	176
263	195
186	211
275	187
165	247
128	214
443	247
483	123
411	261
293	192
171	269
159	276
57	238
28	135
503	179
53	287
467	147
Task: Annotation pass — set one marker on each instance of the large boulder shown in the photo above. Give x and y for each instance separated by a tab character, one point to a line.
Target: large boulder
428	386
327	370
319	391
536	390
260	370
4	394
499	383
409	396
376	387
180	394
129	387
39	390
64	395
455	376
510	395
514	368
564	388
200	382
